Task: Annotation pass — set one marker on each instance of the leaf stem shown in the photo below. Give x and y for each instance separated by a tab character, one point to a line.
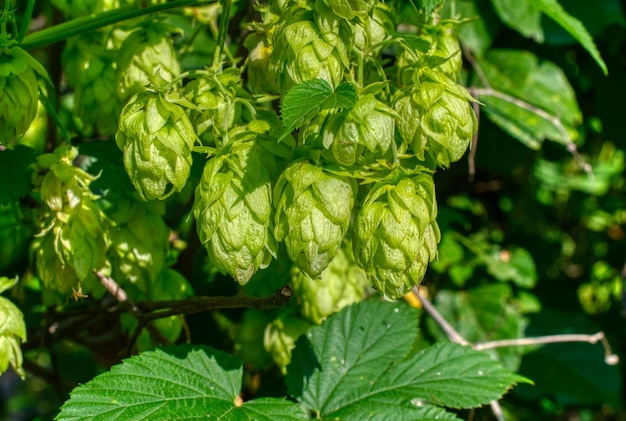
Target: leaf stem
223	32
28	15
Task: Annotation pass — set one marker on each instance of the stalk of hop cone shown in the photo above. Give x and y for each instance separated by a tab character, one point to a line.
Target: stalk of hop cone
396	233
313	210
342	283
233	208
369	125
18	93
436	118
309	43
143	52
156	137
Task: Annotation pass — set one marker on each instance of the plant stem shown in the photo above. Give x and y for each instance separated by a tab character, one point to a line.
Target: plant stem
223	31
90	23
28	14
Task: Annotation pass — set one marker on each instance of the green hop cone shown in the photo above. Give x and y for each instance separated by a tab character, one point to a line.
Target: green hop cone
396	233
313	210
216	110
371	30
18	93
233	209
349	9
156	137
342	283
145	51
307	45
139	245
436	118
280	338
445	50
12	331
369	125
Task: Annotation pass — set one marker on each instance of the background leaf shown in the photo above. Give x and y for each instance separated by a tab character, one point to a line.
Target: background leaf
521	16
177	382
572	25
15	173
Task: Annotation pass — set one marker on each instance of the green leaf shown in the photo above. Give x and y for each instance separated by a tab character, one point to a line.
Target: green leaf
12	333
535	94
521	16
176	382
413	42
482	314
515	265
15	166
303	101
429	5
356	361
480	27
572	25
7	283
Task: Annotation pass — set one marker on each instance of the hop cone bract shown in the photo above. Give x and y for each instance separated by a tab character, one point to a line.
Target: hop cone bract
18	94
156	137
313	210
233	208
396	234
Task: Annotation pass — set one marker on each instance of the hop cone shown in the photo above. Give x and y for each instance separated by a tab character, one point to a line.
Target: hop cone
139	245
371	30
445	46
12	332
368	126
216	111
309	45
280	338
18	93
342	283
349	9
437	118
156	137
143	52
313	210
233	208
396	234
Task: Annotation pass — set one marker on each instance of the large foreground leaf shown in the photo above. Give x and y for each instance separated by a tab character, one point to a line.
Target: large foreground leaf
359	361
173	383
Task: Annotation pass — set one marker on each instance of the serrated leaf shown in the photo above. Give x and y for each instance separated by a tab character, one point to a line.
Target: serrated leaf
430	5
413	42
356	361
542	85
177	383
303	101
520	16
572	25
15	166
345	96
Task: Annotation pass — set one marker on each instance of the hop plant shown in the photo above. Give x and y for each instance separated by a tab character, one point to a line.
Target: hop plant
19	93
313	210
309	44
144	51
216	108
436	118
369	125
233	207
156	137
396	234
342	283
349	9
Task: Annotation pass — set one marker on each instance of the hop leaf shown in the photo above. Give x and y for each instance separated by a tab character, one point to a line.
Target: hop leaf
436	118
12	333
156	137
233	208
396	233
19	94
313	210
342	283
